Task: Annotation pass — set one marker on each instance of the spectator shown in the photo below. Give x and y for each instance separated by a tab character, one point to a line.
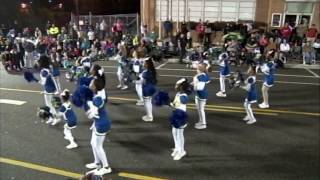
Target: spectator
37	33
103	29
91	36
302	29
316	46
184	28
284	50
263	43
119	25
286	32
167	25
312	33
308	53
182	44
271	45
144	29
200	28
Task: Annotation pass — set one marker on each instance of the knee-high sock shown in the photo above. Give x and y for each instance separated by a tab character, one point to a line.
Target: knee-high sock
139	91
100	151
67	133
120	76
93	146
198	109
56	81
245	105
175	138
249	111
222	83
148	106
202	104
180	140
265	94
48	99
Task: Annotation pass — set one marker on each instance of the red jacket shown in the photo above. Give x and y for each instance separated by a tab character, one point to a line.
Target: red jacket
285	32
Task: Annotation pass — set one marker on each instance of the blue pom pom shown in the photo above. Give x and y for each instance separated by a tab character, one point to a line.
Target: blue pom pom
76	99
178	118
84	81
28	76
81	95
86	93
161	98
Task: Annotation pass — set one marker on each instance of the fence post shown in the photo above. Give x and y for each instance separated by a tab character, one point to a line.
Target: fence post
138	24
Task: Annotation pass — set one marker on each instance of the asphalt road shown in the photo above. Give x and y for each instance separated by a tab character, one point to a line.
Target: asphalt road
283	144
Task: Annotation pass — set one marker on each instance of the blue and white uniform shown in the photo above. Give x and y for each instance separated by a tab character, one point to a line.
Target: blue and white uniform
268	69
148	90
71	123
201	94
224	71
178	122
49	88
138	68
250	87
56	71
101	126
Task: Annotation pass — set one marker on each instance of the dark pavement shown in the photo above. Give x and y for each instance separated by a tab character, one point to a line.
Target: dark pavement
283	144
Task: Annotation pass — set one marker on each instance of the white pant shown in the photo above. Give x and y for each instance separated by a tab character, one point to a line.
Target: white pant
28	59
97	149
201	103
222	83
48	101
178	139
120	76
148	106
139	90
67	133
247	107
56	81
265	94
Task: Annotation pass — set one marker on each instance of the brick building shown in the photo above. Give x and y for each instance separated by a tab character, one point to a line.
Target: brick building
271	13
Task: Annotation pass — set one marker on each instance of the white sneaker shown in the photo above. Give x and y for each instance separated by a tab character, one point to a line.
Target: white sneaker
247	118
174	153
94	171
55	121
124	87
140	103
119	86
92	165
147	119
263	106
179	156
57	93
103	171
65	137
50	120
200	126
221	94
72	145
251	121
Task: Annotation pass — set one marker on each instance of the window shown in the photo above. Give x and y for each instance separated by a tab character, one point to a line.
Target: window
299	7
276	20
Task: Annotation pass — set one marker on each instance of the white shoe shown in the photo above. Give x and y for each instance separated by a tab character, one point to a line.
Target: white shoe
50	120
140	103
263	106
147	119
221	94
55	121
65	137
124	87
247	118
179	156
57	93
200	126
103	171
251	121
72	145
93	172
174	153
119	86
92	165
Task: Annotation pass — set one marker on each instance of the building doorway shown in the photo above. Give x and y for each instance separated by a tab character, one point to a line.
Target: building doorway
295	19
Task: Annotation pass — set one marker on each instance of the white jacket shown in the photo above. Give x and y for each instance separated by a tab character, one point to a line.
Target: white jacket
284	47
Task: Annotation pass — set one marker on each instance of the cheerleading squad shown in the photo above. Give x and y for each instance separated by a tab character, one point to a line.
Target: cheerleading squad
90	95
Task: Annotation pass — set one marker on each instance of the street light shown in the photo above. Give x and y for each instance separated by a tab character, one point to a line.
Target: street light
23	5
60	5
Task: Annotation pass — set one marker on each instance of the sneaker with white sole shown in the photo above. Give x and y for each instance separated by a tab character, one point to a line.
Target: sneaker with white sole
179	155
247	118
119	86
221	94
263	106
72	145
174	153
55	121
92	165
103	171
124	87
200	126
50	120
140	103
251	121
147	119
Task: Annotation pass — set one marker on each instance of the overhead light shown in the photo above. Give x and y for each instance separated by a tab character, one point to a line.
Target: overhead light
23	5
60	5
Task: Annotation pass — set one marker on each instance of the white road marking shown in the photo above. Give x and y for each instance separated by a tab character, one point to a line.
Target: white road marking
161	65
313	73
12	102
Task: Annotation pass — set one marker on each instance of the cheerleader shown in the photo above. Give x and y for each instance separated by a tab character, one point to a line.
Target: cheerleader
101	126
46	80
179	117
70	118
149	81
122	53
137	68
224	72
250	87
268	71
56	60
201	94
